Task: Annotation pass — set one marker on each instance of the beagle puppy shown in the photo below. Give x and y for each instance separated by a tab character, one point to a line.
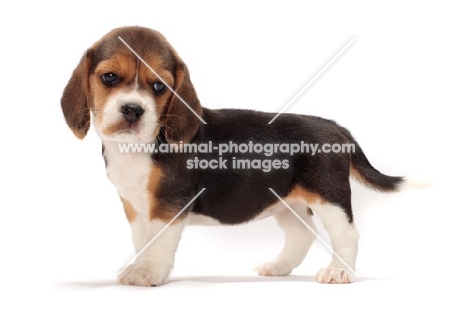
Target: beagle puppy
136	90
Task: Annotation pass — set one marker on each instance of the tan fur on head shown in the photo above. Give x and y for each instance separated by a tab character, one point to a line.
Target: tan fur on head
75	101
86	93
181	123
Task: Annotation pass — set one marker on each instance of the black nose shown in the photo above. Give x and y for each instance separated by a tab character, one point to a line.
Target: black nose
132	112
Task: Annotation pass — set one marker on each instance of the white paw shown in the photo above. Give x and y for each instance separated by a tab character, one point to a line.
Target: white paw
143	276
273	269
333	276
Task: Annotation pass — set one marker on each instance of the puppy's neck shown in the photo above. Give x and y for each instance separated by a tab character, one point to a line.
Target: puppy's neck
129	171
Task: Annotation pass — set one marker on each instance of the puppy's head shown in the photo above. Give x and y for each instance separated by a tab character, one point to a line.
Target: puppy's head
128	101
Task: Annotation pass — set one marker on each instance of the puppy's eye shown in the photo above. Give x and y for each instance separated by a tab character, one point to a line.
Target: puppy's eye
158	87
110	79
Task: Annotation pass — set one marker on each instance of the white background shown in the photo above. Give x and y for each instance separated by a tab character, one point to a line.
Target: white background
400	88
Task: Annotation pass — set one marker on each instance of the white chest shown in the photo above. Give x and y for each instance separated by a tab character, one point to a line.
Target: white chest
129	172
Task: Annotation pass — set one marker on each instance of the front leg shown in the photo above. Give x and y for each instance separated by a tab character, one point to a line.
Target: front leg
138	225
153	265
156	260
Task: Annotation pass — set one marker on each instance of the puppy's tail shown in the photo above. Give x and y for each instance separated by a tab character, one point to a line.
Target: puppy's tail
366	174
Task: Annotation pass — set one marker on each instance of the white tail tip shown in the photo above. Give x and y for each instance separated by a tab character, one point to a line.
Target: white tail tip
414	183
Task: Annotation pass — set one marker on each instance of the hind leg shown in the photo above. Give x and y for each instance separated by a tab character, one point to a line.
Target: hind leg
298	240
344	240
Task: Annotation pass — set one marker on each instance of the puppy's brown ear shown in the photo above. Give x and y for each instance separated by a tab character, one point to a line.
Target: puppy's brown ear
181	124
75	105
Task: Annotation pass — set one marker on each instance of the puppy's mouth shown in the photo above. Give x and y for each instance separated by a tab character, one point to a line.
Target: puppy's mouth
122	127
128	118
125	131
